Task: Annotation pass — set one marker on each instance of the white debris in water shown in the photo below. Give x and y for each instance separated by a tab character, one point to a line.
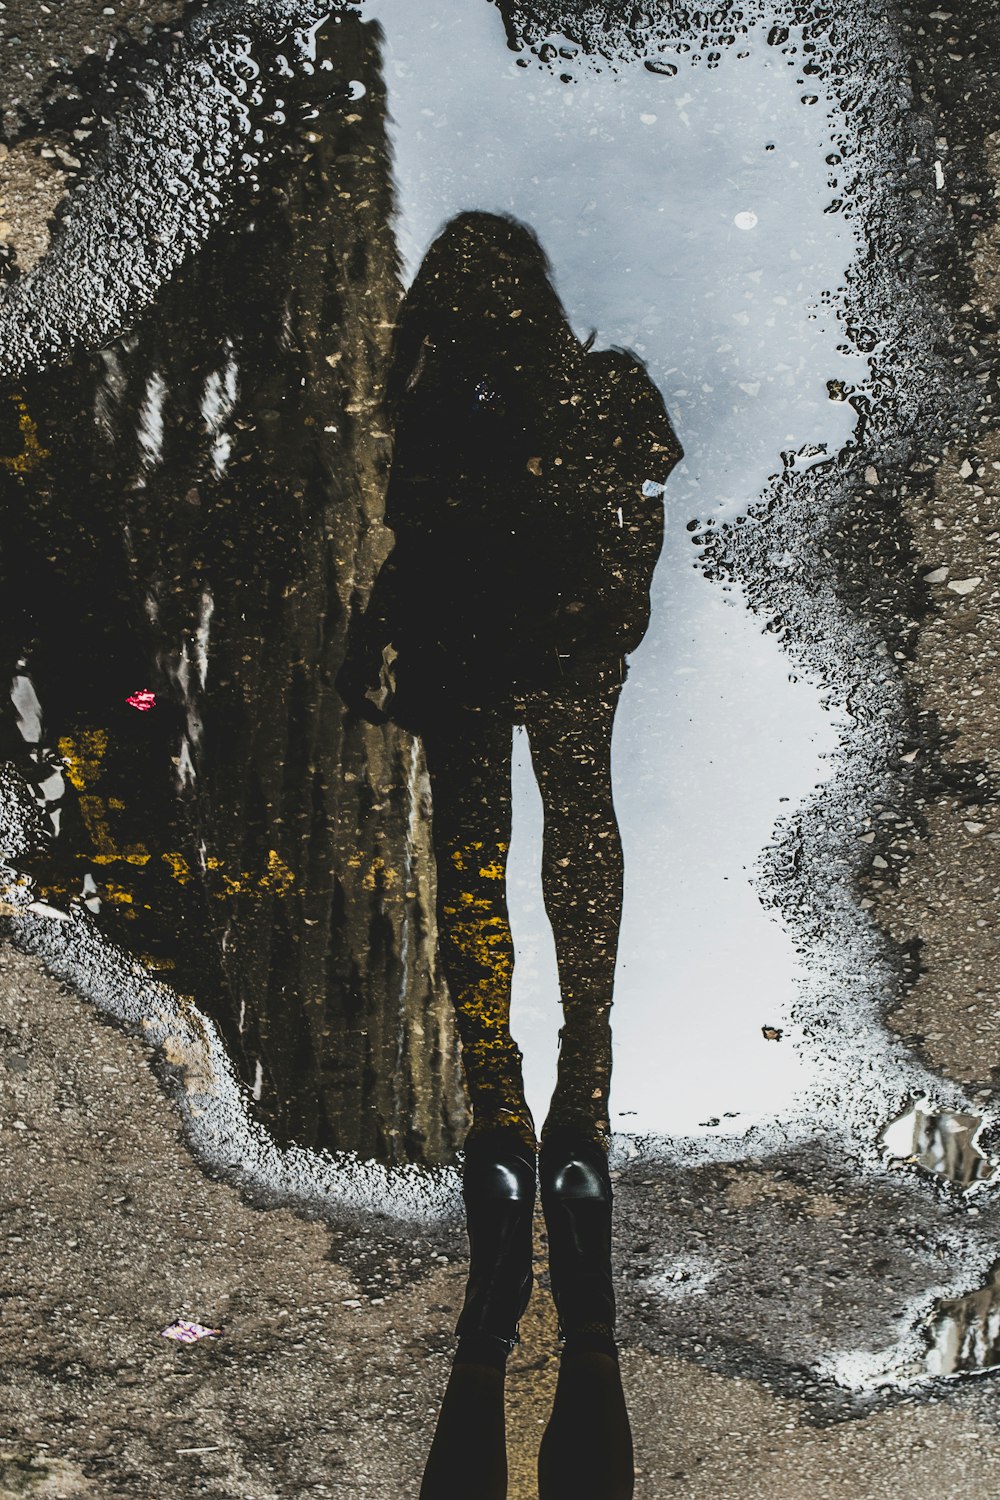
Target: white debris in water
682	1276
149	425
941	1141
27	707
916	1356
218	403
201	636
746	220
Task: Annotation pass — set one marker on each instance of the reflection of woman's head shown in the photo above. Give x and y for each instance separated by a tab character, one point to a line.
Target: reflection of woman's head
485	285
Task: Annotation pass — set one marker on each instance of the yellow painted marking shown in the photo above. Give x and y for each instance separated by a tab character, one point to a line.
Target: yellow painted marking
108	853
179	867
32	454
150	961
479	937
279	877
378	867
117	895
83	755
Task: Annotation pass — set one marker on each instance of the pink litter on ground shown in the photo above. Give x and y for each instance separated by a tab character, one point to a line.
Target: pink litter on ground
189	1333
143	700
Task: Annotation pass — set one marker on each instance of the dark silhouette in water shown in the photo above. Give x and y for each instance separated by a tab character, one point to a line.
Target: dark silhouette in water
524	495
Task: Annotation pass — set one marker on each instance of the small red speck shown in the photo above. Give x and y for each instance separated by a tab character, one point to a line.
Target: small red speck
143	700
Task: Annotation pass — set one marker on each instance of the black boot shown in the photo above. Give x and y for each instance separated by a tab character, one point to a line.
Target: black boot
498	1184
577	1201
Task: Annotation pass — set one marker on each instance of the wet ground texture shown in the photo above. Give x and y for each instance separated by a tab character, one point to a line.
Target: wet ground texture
335	1345
785	1316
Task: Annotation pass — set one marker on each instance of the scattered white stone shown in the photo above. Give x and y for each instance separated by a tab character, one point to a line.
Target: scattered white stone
964	585
975	827
42	909
937	576
966	470
880	863
871	475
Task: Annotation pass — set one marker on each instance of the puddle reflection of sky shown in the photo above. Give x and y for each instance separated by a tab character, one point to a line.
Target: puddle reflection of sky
684	217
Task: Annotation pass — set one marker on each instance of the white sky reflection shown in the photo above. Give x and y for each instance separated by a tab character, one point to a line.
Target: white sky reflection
684	217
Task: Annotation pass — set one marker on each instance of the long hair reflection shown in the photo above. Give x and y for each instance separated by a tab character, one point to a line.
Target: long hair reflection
524	496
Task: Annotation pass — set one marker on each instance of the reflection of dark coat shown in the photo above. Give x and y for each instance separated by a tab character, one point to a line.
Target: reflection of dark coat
525	546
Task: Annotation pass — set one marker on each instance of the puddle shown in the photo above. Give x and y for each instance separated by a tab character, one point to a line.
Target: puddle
215	814
690	212
229	864
203	506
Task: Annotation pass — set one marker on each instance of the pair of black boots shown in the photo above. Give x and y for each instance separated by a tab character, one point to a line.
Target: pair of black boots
499	1186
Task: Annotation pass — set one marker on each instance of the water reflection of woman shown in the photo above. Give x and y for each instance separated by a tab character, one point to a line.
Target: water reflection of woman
525	501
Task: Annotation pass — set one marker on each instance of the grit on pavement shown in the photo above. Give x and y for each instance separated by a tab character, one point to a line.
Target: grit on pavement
335	1334
318	1386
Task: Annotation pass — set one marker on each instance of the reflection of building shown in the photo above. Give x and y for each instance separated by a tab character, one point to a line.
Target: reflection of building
944	1142
204	516
965	1332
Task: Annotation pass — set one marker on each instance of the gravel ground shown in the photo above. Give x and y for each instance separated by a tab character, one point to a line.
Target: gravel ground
40	45
326	1375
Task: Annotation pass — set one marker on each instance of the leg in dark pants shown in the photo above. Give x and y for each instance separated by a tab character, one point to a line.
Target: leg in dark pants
468	760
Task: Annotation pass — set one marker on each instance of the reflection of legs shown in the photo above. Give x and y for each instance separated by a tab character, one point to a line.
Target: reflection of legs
582	876
469	764
586	1452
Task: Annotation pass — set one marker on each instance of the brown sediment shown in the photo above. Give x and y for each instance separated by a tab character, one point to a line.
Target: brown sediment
948	877
531	1377
32	185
